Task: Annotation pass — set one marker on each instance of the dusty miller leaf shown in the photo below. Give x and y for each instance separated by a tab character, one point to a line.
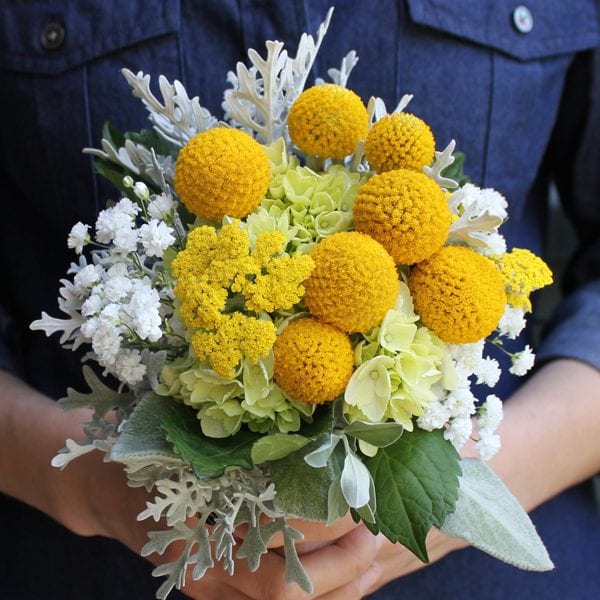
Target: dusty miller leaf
490	518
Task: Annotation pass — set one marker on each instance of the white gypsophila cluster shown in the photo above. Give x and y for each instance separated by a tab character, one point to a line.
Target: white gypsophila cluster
489	417
480	213
116	300
512	322
522	361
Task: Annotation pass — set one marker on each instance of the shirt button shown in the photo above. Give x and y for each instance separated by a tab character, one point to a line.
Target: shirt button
53	36
522	19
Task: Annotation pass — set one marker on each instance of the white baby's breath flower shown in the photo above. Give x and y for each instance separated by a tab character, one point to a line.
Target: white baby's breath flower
128	366
160	206
126	239
488	444
512	322
92	306
435	417
495	244
117	287
78	237
522	361
490	413
109	222
127	207
144	311
488	372
458	432
140	189
156	237
86	278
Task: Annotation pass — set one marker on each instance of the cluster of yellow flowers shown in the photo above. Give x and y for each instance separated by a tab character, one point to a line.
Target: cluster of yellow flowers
213	268
350	281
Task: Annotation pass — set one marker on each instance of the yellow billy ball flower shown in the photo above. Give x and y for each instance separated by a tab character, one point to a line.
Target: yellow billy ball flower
328	121
405	211
354	282
399	141
459	294
313	361
222	172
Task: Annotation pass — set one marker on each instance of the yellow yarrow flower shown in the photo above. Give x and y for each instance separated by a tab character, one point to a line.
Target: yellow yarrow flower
399	141
459	294
237	335
313	361
217	265
222	172
406	212
523	273
328	121
354	282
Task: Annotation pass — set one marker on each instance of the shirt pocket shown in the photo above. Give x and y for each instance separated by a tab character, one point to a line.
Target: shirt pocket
491	76
60	79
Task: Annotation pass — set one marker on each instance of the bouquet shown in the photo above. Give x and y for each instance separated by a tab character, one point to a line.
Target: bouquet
295	303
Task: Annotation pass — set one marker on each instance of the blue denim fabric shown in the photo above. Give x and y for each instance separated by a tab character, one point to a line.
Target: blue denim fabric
499	92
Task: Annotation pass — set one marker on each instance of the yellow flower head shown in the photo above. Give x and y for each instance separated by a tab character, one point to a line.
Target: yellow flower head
222	172
406	212
459	294
523	273
213	268
313	361
328	121
236	336
399	141
354	282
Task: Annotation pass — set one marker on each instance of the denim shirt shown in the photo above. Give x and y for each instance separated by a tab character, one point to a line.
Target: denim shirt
513	86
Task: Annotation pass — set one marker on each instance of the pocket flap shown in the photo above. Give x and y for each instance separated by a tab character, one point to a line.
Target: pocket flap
550	28
52	37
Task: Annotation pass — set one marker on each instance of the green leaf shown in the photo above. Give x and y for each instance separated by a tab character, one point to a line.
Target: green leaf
143	438
322	422
209	457
302	491
377	434
277	446
416	484
490	518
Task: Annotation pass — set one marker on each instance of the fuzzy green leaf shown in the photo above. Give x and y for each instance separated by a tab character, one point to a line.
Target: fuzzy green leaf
209	457
490	518
143	438
276	446
377	434
416	484
302	491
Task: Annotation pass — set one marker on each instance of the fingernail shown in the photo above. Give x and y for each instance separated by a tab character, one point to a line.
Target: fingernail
380	540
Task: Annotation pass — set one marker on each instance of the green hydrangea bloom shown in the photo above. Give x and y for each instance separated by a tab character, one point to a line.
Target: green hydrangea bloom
305	205
251	398
402	367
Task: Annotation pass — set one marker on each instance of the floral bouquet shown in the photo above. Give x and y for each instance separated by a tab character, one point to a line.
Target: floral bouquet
295	303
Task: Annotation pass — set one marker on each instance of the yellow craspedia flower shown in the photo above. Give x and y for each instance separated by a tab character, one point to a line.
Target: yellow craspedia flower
399	141
353	283
328	121
459	294
313	361
406	212
222	172
523	273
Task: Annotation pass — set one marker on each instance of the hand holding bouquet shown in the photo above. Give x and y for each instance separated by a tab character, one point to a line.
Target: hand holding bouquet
295	304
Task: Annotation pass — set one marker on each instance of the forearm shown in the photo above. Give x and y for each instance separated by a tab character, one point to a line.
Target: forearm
32	430
550	432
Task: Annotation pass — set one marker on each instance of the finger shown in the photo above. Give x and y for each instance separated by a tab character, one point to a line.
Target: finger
358	588
344	562
314	532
